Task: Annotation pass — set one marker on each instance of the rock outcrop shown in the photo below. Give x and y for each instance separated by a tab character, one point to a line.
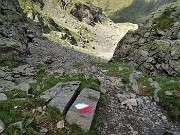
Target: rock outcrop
154	47
13	31
90	15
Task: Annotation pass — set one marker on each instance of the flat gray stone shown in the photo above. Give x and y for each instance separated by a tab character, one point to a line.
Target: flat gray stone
121	97
157	88
7	85
130	103
61	94
1	126
132	79
60	124
3	97
168	93
89	97
2	74
24	87
18	124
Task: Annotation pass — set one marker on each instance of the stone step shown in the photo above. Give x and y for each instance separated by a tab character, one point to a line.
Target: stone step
62	95
89	97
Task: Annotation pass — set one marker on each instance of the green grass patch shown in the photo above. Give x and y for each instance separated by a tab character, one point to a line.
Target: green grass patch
15	94
170	103
145	88
117	69
164	21
12	111
45	82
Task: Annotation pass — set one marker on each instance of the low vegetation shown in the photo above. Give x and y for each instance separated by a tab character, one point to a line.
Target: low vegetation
164	21
14	110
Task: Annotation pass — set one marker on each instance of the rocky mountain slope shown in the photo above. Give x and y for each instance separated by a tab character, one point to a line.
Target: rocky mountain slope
154	47
133	11
79	25
53	82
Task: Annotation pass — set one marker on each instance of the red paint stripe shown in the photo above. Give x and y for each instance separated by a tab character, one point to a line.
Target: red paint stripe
85	110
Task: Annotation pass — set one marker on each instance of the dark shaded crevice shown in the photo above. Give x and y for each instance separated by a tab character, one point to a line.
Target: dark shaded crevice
71	101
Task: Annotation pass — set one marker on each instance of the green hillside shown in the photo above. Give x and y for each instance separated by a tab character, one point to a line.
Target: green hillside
127	10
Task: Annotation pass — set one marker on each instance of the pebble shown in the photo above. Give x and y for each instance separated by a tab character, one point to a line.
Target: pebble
60	124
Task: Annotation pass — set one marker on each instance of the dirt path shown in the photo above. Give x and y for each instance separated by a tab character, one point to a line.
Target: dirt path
145	118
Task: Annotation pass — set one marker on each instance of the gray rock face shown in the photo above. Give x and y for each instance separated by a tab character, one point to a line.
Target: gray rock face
134	83
7	85
154	48
18	124
84	121
90	15
3	97
1	126
130	103
157	88
121	97
13	31
61	94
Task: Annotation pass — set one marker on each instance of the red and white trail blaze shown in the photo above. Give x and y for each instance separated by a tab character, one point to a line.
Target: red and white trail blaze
83	108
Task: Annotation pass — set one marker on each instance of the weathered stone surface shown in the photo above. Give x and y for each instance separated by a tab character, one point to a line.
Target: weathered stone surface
84	121
24	87
157	88
61	94
134	83
140	101
121	97
13	31
7	85
2	74
3	97
60	124
130	103
24	70
18	124
168	93
154	48
1	126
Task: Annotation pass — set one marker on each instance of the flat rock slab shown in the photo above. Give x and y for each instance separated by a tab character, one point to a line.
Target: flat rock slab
62	94
6	85
3	97
89	97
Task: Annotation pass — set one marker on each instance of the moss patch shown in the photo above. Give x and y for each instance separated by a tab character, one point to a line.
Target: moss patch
164	21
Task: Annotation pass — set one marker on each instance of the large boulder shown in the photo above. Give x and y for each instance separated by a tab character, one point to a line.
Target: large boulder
61	95
155	47
83	119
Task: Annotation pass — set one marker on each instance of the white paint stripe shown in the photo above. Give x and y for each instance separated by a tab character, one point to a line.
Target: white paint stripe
81	106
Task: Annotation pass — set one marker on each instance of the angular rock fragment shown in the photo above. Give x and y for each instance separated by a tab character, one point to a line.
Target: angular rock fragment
61	94
130	103
83	120
121	97
3	97
1	126
7	85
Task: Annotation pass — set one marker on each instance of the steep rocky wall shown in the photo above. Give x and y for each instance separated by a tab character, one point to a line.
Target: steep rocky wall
155	47
13	30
